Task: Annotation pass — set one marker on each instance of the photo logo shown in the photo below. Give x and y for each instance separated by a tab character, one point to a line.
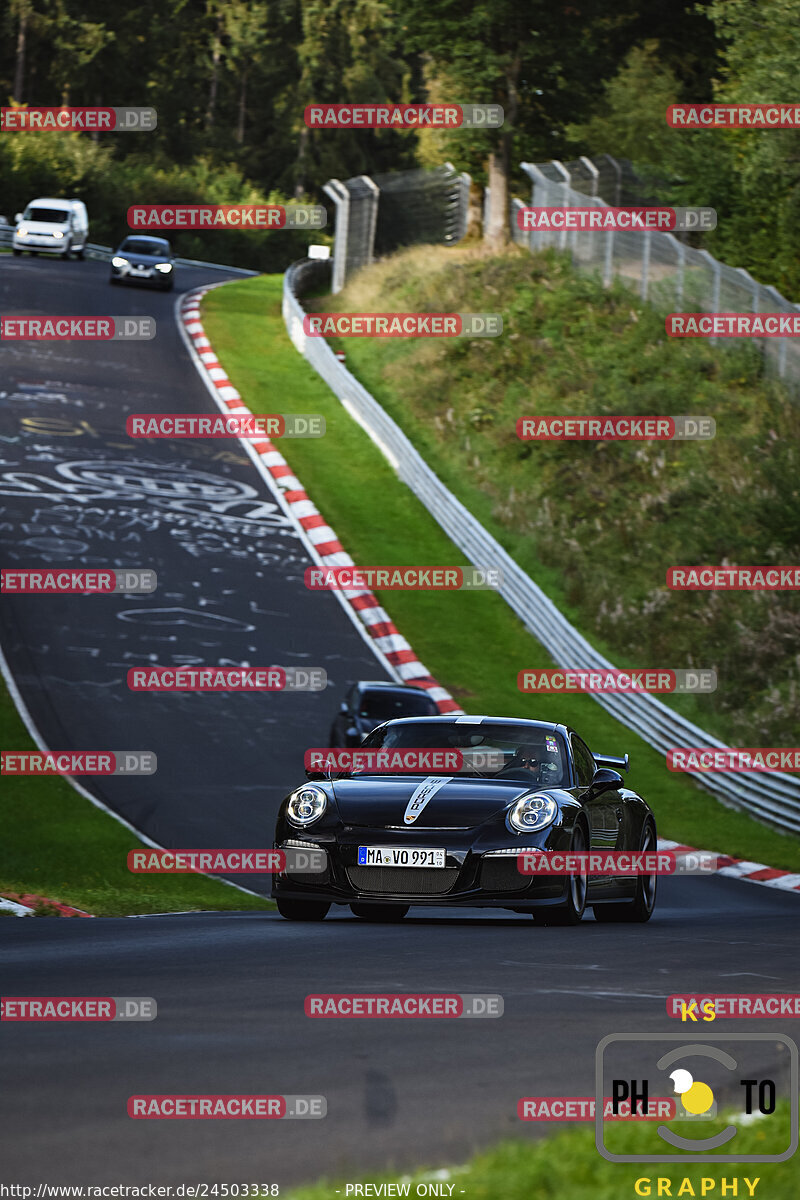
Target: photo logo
749	1071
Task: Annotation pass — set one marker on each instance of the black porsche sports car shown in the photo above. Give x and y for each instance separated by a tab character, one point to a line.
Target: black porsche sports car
392	840
370	703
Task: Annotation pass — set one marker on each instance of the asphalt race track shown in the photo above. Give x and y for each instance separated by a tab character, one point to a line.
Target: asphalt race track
230	991
76	491
230	987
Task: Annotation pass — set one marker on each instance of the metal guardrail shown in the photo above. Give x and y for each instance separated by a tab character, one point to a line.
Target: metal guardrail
104	253
771	796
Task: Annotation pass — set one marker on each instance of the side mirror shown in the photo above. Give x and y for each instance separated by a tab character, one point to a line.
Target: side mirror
352	731
605	780
311	774
343	707
18	218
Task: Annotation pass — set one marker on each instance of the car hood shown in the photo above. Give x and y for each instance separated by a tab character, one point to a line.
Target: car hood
43	226
146	260
439	801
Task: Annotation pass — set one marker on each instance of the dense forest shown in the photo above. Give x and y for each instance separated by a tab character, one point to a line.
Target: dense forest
230	79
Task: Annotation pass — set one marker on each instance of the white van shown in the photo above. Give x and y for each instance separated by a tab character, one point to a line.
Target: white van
57	226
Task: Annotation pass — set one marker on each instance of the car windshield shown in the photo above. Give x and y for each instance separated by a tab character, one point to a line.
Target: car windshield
55	216
385	705
523	753
144	246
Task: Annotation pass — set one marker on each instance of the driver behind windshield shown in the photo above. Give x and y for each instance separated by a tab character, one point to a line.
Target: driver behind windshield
498	752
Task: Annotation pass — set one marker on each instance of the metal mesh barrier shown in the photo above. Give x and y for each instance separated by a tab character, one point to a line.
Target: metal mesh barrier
772	796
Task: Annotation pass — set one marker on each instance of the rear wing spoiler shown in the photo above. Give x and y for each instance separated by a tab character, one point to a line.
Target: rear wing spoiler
611	761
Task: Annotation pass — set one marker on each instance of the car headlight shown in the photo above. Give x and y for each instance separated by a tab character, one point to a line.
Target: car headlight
531	813
22	231
306	805
57	233
119	262
165	267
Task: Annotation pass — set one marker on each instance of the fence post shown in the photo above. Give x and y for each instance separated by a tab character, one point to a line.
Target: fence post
559	166
341	199
681	272
593	171
645	264
369	255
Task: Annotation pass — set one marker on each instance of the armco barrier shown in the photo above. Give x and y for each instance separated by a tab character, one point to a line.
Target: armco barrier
104	253
771	796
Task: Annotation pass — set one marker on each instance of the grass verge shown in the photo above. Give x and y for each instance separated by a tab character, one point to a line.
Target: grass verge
471	642
57	844
569	1165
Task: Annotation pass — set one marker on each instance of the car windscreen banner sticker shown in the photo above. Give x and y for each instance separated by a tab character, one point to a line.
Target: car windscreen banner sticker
426	791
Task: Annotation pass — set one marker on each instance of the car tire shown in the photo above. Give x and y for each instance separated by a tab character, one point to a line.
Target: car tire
80	253
33	253
303	910
113	279
640	908
570	913
67	250
384	914
17	252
